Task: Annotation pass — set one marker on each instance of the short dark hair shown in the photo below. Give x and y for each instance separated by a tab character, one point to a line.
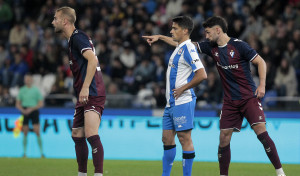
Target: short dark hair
184	22
216	20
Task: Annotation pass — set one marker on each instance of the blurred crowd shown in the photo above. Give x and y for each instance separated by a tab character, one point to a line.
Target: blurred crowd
130	67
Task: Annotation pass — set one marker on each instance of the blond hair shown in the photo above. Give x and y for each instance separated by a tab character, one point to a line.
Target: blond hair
69	13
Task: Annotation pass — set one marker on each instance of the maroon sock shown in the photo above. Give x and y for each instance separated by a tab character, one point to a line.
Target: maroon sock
270	149
82	153
98	153
224	157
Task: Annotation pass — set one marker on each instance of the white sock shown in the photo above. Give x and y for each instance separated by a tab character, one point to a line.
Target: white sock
82	174
98	174
279	171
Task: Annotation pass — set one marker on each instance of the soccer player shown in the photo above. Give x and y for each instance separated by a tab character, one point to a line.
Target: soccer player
89	90
241	96
29	101
185	71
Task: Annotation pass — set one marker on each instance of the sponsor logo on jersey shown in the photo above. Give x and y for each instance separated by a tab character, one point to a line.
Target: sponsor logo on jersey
171	65
226	67
180	51
195	60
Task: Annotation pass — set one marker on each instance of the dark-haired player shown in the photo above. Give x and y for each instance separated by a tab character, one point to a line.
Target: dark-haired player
185	71
89	90
241	96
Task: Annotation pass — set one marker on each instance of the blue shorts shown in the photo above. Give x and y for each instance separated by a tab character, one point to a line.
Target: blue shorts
180	117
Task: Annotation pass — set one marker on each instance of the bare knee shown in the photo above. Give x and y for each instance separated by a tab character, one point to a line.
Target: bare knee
167	140
259	128
79	132
185	139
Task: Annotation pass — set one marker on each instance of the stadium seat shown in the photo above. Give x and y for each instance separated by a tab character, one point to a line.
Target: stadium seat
47	83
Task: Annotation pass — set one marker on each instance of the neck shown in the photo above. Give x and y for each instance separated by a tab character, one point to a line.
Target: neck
69	31
183	39
223	40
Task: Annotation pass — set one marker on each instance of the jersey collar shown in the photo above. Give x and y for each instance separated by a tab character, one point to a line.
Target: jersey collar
185	42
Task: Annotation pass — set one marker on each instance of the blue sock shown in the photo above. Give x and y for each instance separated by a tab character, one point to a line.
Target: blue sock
187	162
168	158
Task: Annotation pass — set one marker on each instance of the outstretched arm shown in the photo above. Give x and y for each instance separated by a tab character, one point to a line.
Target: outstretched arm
262	69
153	38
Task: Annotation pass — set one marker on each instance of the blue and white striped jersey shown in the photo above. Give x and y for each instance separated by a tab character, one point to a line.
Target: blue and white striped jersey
182	64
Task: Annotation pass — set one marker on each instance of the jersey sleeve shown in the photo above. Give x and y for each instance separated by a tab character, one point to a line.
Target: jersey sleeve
192	58
204	48
247	52
81	42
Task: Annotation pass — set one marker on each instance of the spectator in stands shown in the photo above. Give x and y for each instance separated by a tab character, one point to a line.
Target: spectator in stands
3	54
127	56
13	72
6	16
285	80
17	34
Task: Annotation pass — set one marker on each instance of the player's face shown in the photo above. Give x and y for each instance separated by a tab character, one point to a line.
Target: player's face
211	34
177	32
58	22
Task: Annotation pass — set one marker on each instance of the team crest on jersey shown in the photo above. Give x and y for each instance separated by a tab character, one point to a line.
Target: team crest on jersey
180	51
231	53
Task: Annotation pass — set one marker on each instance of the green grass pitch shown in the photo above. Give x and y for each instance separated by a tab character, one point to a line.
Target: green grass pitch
68	167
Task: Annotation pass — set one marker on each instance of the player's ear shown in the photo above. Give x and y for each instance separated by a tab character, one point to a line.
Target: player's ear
186	31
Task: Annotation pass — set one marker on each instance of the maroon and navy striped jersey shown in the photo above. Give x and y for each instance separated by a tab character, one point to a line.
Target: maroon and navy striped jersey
233	64
79	42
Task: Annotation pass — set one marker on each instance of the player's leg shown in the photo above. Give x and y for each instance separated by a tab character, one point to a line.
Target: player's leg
25	129
255	116
270	148
36	129
183	117
188	152
168	139
230	120
78	137
224	152
91	124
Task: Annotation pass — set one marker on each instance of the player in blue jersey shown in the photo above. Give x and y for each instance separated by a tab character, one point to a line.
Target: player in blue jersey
89	90
185	71
241	96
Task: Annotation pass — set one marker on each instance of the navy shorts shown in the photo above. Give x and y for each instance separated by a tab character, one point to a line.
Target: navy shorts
180	117
94	103
234	111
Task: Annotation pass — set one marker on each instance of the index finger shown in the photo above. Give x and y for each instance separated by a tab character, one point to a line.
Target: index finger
146	36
